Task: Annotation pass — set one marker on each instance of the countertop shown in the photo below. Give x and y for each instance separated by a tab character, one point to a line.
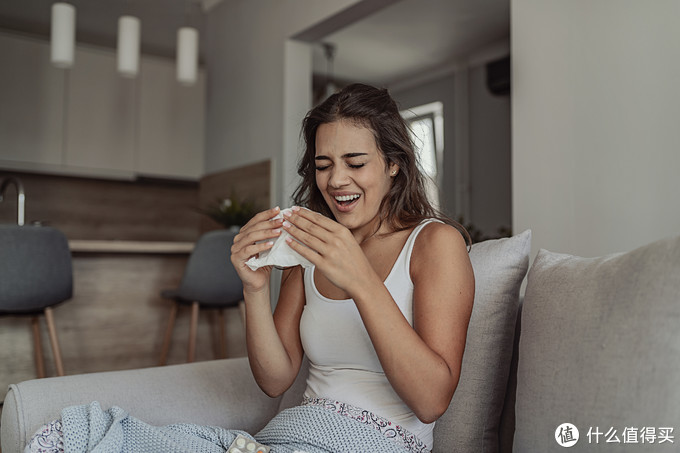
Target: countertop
103	246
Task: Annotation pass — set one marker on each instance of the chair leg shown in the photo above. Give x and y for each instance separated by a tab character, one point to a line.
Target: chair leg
54	340
192	332
39	359
168	334
223	334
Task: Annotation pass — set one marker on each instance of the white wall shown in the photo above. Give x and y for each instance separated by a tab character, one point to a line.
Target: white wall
477	139
297	101
596	135
246	53
490	156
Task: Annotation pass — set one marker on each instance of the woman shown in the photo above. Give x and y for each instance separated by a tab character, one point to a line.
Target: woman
383	313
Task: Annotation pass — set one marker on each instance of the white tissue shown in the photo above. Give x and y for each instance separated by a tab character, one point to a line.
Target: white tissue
280	255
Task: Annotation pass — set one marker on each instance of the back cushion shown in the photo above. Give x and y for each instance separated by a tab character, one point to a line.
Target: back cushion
471	424
599	349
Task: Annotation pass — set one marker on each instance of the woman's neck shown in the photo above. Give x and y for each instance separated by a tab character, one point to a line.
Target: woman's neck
374	229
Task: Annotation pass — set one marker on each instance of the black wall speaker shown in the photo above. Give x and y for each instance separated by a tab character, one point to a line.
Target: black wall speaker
498	76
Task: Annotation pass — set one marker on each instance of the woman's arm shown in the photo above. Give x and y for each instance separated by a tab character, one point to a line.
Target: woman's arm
274	345
273	341
421	362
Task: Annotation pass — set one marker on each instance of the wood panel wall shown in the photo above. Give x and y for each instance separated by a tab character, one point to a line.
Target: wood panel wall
84	208
252	182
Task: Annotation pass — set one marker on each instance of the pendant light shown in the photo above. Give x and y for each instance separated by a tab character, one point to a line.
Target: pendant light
128	46
63	34
187	53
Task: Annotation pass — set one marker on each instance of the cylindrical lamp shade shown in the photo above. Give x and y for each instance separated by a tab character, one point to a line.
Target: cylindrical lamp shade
187	55
63	39
128	46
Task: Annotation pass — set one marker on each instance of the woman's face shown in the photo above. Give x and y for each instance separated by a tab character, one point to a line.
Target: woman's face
351	174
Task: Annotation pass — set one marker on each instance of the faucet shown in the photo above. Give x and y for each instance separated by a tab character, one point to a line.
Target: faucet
21	197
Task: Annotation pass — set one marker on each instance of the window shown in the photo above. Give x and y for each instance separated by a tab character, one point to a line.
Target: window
426	126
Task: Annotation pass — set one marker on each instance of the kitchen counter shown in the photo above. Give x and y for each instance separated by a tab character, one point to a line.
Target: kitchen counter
100	246
117	318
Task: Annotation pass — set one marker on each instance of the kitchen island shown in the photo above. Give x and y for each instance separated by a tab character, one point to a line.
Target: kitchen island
116	319
129	241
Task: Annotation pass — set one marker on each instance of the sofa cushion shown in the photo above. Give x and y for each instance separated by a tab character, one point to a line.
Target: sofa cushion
599	347
471	422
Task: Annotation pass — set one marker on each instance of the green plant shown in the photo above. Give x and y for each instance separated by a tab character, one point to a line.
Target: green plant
232	211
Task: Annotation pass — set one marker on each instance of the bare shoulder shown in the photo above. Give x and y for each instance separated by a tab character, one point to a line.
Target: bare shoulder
437	237
440	248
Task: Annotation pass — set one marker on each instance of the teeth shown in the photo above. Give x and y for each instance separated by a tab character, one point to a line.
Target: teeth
347	197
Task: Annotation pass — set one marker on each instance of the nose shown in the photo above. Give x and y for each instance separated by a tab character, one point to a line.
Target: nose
339	177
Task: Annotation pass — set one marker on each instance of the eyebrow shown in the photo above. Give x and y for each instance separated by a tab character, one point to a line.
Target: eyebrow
344	156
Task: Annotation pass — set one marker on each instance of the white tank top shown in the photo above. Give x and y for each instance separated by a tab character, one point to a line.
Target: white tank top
343	363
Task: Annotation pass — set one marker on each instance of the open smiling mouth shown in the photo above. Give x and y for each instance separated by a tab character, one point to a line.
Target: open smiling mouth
345	201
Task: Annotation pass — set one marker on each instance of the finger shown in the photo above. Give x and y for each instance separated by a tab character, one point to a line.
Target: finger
310	238
311	216
261	217
243	240
309	225
254	232
306	252
252	250
259	226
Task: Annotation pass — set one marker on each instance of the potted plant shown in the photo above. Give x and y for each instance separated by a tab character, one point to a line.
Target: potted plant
232	212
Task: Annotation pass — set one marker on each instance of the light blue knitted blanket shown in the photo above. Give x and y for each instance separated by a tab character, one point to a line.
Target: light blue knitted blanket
308	429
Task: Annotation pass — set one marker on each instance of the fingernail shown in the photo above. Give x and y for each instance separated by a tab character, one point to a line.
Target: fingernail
277	209
287	224
270	243
289	240
287	213
295	208
276	230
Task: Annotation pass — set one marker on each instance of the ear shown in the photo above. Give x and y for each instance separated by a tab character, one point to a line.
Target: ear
393	169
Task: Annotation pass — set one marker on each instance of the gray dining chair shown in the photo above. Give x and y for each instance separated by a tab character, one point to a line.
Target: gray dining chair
209	282
36	273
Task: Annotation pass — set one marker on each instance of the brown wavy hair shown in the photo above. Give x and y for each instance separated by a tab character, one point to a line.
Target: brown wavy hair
406	204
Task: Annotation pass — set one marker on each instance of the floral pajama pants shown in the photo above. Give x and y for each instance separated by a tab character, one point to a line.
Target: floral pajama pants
48	439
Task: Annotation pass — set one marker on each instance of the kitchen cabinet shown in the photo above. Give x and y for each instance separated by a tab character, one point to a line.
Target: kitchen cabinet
31	104
100	114
90	121
171	122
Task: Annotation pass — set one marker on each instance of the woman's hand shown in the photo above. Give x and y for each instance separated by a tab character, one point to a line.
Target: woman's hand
255	237
329	246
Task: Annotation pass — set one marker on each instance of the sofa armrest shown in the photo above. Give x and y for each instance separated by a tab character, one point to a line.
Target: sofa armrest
218	393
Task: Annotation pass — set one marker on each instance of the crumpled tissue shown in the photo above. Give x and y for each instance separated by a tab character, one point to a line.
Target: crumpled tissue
280	255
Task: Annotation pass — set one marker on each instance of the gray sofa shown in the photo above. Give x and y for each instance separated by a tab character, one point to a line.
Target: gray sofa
599	348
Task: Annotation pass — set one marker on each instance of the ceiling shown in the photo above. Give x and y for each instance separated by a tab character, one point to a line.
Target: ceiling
97	20
410	37
399	41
